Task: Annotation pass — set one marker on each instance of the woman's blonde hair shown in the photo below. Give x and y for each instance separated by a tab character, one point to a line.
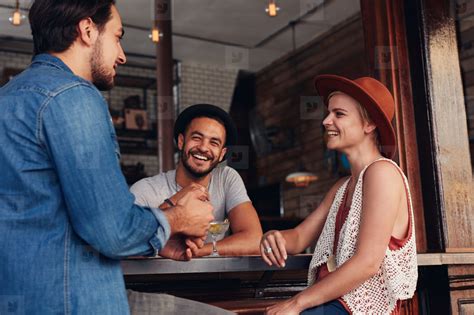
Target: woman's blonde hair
363	113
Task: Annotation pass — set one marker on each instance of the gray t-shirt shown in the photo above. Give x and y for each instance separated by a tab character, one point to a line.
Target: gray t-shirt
226	190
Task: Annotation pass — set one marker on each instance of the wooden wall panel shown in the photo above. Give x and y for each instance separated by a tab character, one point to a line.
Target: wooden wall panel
388	61
449	124
461	283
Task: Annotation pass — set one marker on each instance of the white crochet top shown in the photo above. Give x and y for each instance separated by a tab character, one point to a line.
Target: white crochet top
397	276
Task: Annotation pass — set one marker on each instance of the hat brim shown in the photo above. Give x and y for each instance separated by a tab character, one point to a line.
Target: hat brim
327	84
206	110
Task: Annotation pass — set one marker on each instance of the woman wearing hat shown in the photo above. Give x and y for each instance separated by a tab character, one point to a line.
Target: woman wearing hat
364	261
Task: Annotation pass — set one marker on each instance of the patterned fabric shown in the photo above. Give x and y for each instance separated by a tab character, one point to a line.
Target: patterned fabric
397	276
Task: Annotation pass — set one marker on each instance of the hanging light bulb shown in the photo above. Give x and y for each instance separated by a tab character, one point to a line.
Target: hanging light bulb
272	8
16	17
155	35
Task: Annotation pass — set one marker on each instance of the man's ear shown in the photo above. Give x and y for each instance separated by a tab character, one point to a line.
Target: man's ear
180	141
223	152
88	32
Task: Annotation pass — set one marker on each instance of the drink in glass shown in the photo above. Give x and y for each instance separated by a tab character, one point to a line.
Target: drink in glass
216	229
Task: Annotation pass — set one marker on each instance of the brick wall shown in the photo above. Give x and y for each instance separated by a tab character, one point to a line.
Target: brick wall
202	83
13	60
286	98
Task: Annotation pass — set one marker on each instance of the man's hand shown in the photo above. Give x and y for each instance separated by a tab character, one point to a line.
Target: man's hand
176	249
196	245
193	186
191	215
180	248
180	194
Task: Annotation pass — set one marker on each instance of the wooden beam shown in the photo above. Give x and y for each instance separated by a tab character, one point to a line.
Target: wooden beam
448	123
388	61
164	74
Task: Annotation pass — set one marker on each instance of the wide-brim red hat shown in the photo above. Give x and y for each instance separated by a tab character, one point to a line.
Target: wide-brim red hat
373	96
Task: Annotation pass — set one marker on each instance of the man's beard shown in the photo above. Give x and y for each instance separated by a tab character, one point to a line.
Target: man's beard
101	78
192	171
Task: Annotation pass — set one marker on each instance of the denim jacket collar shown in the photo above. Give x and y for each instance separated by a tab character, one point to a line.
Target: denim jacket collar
52	61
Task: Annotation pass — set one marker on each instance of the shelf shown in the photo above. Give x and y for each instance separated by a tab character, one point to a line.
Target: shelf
134	82
138	151
137	141
129	133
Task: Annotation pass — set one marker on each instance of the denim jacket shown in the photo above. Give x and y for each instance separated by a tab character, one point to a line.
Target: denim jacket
66	213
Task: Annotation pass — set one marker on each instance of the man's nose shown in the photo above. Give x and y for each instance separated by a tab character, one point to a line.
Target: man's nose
203	146
121	59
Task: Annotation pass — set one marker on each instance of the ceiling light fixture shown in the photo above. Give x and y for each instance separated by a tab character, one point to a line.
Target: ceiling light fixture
301	179
155	35
16	17
272	8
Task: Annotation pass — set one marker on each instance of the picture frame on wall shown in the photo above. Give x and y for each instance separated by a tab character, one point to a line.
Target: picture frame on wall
136	119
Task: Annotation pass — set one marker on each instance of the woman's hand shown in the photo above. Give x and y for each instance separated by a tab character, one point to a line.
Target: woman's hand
288	307
273	248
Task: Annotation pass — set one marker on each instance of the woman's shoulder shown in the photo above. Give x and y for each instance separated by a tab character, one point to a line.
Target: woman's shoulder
383	167
384	173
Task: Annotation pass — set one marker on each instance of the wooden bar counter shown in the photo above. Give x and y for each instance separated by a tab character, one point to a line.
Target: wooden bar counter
242	284
246	285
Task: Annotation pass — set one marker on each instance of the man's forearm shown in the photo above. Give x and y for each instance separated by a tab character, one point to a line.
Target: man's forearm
242	243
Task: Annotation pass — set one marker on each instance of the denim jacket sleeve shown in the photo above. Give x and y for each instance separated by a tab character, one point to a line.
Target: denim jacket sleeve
75	129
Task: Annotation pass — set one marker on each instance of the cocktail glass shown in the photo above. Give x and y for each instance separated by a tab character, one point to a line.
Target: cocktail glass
216	229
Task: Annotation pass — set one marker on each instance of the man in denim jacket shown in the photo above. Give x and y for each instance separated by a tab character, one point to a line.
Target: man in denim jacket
66	214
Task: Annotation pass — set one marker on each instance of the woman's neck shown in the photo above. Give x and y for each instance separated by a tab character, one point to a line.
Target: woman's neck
360	159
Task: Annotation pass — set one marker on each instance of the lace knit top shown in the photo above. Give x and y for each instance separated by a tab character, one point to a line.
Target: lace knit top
397	276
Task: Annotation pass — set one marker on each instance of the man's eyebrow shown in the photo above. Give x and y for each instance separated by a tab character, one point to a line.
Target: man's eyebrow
197	133
202	135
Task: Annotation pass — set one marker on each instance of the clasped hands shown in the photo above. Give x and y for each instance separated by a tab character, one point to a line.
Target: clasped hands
189	221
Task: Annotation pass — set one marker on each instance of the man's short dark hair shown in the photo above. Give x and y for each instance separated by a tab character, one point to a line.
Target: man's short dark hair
205	115
206	110
54	22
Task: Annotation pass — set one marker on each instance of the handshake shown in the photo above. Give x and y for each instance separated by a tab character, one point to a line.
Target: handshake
189	220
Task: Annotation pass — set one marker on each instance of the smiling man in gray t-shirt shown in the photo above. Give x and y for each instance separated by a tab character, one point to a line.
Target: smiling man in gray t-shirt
226	190
203	133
